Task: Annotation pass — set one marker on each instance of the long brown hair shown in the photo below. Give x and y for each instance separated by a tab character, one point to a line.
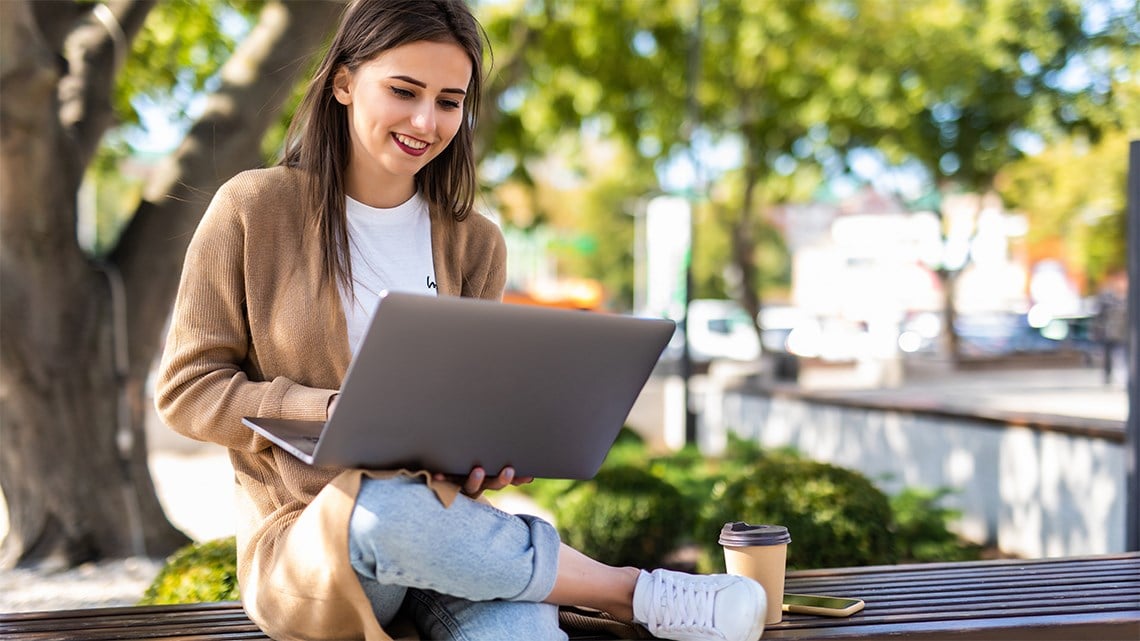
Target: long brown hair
318	139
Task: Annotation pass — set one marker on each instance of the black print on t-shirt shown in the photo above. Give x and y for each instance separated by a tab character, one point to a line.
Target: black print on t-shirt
430	283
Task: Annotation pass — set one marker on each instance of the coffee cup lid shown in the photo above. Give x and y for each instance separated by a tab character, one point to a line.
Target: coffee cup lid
741	534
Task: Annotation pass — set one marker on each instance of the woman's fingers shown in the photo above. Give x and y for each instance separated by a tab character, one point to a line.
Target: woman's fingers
505	478
477	481
473	486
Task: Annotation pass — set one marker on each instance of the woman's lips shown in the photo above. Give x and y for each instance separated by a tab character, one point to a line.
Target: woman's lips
410	146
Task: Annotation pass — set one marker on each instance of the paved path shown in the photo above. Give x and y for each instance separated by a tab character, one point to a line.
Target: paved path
1077	392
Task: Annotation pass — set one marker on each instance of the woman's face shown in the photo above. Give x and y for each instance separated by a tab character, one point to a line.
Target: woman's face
404	108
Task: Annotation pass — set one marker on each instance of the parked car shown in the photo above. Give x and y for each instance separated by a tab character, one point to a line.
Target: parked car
718	329
993	334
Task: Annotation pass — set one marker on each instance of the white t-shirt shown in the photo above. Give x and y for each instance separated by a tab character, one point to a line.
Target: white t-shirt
390	250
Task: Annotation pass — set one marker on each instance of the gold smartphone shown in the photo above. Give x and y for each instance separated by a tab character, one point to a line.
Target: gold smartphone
828	606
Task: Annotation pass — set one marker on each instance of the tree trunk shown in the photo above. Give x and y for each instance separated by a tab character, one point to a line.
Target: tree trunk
78	338
60	467
951	343
743	250
743	236
948	275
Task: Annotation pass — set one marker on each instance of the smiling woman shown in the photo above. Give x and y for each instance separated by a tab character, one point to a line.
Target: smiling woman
375	193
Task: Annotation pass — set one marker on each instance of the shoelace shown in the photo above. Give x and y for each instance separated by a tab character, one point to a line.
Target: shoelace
682	605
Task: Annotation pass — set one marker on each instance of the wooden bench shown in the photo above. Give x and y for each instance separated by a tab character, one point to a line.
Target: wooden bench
1094	597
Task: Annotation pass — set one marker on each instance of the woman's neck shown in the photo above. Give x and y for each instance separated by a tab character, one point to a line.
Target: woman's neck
378	193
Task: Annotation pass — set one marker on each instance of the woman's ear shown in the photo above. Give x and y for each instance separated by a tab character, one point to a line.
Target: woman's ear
342	86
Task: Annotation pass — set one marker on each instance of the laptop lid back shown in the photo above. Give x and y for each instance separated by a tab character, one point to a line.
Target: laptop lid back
445	383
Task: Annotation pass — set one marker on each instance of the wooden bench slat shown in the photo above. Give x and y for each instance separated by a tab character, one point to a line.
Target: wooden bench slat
174	624
1126	559
958	615
1092	627
1120	571
1121	590
128	634
973	604
196	621
934	590
973	576
1118	579
970	572
136	610
129	619
75	623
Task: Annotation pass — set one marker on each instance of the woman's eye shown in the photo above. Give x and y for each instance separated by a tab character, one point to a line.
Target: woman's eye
400	92
449	104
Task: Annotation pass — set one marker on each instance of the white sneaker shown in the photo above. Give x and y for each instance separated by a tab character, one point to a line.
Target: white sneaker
695	607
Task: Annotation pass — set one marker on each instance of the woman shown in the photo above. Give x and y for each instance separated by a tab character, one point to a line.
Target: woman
376	191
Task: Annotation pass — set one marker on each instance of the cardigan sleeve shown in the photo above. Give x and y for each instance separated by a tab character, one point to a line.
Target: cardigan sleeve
203	387
484	259
496	279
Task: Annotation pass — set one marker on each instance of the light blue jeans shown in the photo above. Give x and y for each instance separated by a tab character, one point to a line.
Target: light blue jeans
469	572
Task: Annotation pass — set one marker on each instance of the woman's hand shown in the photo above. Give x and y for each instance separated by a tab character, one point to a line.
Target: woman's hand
477	481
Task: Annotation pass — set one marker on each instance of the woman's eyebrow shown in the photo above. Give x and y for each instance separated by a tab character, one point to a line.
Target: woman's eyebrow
423	85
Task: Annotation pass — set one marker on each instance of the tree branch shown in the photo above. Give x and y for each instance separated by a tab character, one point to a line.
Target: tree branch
225	140
523	36
95	50
57	19
30	145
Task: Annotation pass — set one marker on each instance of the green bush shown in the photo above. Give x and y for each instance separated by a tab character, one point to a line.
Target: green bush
624	516
695	475
197	573
921	528
836	516
628	449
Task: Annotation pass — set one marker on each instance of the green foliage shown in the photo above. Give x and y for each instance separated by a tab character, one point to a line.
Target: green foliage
836	516
173	62
624	516
198	573
179	51
696	475
782	92
634	511
1073	194
948	89
921	528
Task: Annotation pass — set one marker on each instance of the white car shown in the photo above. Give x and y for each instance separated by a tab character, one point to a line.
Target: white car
719	329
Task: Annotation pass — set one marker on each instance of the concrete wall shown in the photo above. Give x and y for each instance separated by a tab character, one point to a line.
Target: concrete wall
1032	492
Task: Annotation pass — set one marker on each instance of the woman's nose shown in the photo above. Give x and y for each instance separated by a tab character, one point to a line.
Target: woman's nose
424	117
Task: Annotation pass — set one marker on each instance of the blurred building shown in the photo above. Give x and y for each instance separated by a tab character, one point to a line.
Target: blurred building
868	258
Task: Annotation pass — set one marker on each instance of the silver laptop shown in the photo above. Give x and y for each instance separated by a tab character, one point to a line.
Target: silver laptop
448	383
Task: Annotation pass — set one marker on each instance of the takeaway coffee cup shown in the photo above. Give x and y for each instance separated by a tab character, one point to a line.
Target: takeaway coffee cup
759	552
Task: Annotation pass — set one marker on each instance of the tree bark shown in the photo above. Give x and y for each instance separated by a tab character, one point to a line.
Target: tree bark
951	343
79	337
744	241
743	236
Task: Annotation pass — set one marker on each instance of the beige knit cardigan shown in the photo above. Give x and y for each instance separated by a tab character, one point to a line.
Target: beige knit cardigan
256	332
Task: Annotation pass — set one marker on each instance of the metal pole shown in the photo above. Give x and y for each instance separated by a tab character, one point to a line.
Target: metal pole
1132	431
693	118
